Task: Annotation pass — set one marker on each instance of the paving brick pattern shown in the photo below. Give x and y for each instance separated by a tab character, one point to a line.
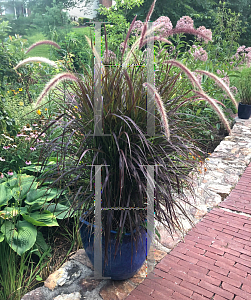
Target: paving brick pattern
240	198
214	261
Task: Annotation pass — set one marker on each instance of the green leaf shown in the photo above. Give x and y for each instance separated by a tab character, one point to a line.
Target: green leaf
21	191
13	182
59	210
41	248
45	218
198	111
40	242
38	278
33	168
41	195
10	212
1	237
20	236
5	194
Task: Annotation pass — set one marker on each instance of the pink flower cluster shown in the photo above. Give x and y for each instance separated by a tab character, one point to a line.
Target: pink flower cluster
110	56
234	90
199	53
137	27
167	25
122	46
243	53
185	22
225	78
198	76
206	32
33	134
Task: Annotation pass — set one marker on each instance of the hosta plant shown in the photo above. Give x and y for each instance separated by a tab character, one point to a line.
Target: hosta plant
24	207
125	149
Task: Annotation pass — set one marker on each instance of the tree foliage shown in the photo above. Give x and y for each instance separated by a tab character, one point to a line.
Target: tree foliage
40	5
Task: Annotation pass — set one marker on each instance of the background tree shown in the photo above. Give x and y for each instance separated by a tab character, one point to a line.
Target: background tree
40	5
243	7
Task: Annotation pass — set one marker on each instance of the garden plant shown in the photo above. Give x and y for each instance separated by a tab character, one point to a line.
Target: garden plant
127	149
49	145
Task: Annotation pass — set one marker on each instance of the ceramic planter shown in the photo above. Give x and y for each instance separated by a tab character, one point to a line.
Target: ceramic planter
120	267
244	111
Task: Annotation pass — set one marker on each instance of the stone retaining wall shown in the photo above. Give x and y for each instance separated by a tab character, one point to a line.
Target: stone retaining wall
223	170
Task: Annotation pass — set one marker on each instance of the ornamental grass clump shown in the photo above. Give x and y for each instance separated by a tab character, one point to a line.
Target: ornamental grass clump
242	83
125	149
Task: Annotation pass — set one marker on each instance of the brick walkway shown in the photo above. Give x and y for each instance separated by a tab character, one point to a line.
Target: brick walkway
214	262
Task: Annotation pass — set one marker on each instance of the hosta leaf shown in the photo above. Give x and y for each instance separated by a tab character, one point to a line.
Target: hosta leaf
45	218
21	191
13	182
27	178
59	210
41	195
33	168
10	212
1	237
5	194
41	243
20	236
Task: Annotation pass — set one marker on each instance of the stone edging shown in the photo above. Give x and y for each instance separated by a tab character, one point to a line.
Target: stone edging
223	170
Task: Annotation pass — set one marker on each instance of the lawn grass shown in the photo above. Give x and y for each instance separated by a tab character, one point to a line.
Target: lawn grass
42	50
83	30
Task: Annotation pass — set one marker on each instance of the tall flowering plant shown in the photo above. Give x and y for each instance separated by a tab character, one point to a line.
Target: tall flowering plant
126	148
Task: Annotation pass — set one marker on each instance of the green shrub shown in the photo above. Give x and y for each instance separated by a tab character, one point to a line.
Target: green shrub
74	49
83	21
74	23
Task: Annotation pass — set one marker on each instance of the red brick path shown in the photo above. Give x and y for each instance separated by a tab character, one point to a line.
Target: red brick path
214	262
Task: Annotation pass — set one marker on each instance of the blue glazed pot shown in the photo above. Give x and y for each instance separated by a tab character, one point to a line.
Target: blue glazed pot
244	111
120	267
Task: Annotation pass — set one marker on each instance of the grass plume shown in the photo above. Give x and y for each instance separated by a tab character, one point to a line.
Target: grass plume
156	38
36	59
188	31
161	108
96	54
216	108
128	34
45	42
143	33
54	82
220	83
136	44
189	74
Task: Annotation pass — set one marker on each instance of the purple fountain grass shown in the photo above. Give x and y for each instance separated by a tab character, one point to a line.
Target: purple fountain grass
161	108
36	59
96	54
55	81
136	44
189	30
143	33
217	101
106	44
42	43
128	34
156	38
189	74
216	108
220	83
